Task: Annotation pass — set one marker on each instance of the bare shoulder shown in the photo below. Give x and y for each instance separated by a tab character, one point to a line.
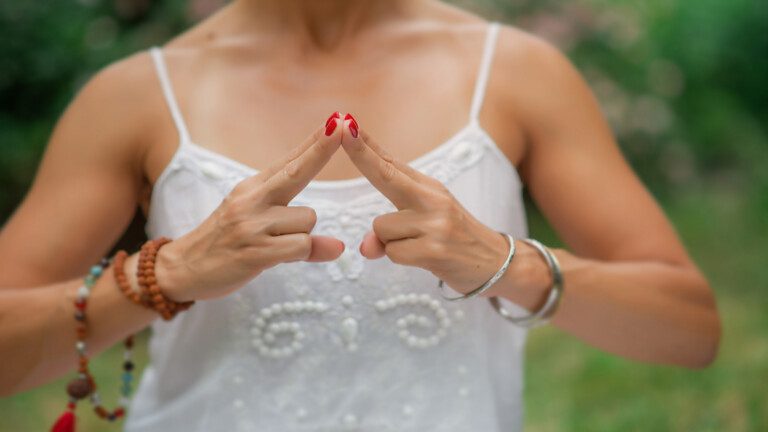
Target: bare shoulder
538	86
131	70
533	71
112	105
516	44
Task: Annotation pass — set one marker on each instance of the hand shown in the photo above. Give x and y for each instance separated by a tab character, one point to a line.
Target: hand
431	229
252	229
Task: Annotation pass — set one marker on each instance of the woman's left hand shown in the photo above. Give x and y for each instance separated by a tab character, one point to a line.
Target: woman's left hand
431	229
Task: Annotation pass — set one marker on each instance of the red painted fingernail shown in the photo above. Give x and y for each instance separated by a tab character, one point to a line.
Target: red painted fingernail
353	127
330	126
333	116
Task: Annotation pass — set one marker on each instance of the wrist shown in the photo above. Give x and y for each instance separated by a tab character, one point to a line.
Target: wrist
527	280
491	259
129	270
169	273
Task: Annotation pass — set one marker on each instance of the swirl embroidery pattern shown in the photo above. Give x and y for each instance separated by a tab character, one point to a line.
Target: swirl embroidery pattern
412	320
265	334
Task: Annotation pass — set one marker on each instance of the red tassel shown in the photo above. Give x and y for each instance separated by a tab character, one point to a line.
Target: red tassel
65	423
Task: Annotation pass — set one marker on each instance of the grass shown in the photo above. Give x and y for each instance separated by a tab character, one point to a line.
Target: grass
573	387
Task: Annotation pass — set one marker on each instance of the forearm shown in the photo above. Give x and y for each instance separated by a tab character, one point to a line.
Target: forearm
648	311
37	327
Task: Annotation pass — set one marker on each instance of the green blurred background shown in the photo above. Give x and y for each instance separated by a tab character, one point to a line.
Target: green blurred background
683	84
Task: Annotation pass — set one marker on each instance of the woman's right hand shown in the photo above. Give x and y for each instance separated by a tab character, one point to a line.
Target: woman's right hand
253	228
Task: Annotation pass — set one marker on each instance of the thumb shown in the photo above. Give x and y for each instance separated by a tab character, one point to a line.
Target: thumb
371	247
325	248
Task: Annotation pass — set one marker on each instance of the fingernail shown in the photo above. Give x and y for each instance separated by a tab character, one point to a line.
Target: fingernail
330	126
335	115
353	127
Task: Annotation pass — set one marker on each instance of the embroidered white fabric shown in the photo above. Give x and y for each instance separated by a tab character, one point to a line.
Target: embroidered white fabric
350	345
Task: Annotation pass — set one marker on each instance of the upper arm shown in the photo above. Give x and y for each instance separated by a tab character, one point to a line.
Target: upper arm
574	169
86	188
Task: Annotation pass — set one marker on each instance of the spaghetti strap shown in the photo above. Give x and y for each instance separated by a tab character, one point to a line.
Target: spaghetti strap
484	71
165	82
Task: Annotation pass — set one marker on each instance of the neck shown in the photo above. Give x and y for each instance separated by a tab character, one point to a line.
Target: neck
322	23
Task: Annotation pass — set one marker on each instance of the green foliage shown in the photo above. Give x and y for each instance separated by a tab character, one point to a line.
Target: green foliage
47	51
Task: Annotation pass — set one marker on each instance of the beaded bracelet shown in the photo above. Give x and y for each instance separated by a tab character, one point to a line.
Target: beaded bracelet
145	274
84	384
150	296
121	279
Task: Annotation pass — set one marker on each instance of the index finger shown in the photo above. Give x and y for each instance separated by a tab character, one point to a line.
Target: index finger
274	168
402	166
292	174
383	172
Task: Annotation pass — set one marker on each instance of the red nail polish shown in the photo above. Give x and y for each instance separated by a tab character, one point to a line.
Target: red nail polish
353	127
333	116
330	126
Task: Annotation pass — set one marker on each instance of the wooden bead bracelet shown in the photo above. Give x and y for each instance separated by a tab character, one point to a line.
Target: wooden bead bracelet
125	286
145	275
149	294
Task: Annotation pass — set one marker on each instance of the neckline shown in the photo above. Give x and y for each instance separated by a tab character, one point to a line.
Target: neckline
355	182
186	142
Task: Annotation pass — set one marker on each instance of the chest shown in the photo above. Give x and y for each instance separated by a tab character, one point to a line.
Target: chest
410	103
303	331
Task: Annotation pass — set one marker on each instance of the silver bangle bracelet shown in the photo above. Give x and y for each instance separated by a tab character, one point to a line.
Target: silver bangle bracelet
484	287
541	316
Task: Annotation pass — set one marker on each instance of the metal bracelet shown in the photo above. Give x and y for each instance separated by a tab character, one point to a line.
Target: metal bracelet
541	316
484	287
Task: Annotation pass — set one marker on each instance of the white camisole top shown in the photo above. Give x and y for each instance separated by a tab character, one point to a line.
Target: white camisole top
347	345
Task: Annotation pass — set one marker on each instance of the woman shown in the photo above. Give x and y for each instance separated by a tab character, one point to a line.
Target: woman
350	330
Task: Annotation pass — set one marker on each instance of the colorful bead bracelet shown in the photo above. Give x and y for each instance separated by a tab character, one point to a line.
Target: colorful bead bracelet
84	385
149	296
